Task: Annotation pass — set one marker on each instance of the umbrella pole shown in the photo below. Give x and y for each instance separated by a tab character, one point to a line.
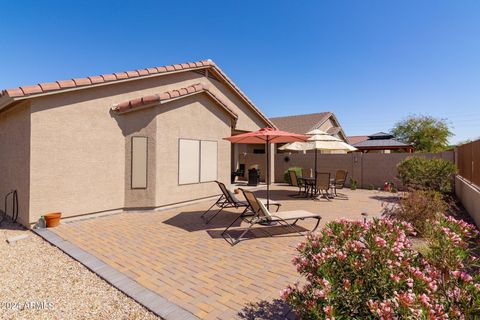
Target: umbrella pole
315	170
268	175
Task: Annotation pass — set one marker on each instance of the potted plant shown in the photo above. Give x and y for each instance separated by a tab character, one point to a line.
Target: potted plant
52	219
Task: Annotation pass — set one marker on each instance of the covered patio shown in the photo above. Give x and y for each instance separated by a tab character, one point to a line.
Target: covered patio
179	257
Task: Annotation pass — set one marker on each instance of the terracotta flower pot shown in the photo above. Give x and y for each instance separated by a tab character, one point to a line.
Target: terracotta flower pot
52	219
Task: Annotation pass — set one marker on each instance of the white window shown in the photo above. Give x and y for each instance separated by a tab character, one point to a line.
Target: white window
189	161
208	161
197	161
139	162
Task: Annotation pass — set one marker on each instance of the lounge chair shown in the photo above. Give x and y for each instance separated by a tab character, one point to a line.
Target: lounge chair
229	200
339	182
322	184
263	216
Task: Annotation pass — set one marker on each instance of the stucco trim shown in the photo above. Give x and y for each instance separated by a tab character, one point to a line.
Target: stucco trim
168	96
332	116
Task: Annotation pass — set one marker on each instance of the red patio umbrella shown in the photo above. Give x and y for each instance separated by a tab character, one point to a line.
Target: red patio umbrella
267	136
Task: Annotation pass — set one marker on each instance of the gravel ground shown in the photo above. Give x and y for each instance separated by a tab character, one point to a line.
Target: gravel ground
38	281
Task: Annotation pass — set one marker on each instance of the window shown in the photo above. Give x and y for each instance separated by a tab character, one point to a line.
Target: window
197	161
208	161
188	161
139	162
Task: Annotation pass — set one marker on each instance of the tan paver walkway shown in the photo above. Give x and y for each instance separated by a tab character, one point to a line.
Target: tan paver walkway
179	257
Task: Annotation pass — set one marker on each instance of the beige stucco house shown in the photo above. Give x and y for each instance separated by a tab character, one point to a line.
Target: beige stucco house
139	139
303	123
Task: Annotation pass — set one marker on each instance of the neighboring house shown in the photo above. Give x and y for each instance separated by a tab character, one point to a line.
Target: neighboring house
325	121
304	123
138	139
356	139
380	142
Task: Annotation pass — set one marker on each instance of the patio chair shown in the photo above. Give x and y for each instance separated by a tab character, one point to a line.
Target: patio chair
339	181
263	216
322	184
307	173
229	200
294	181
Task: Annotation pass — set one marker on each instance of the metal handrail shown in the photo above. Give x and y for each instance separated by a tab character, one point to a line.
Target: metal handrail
14	215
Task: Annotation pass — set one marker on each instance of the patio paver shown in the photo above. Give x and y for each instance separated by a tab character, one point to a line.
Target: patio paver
176	256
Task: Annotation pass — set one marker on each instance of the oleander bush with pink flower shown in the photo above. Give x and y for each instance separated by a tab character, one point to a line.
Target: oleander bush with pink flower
370	270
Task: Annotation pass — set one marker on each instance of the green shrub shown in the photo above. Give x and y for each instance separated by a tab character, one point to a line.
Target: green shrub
353	183
427	174
418	208
286	175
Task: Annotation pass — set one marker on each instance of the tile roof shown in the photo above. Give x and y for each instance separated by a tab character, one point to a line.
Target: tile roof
301	123
58	86
103	78
150	100
356	139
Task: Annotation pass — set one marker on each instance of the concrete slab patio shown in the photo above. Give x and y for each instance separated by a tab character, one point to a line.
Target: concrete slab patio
177	256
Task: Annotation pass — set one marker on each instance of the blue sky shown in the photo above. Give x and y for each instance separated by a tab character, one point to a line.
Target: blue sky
372	63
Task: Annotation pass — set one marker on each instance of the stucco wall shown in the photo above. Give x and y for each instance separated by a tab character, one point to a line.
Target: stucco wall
248	120
195	117
367	169
77	155
140	123
469	195
80	150
15	157
326	125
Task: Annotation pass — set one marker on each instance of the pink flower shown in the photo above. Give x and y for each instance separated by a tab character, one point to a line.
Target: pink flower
410	282
395	277
380	241
462	275
285	293
466	277
341	255
301	246
433	286
319	294
424	299
328	310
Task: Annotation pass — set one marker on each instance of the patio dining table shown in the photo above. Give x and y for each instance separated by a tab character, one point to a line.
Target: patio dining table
309	184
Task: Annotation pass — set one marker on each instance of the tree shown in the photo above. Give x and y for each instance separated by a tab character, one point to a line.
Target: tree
425	133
